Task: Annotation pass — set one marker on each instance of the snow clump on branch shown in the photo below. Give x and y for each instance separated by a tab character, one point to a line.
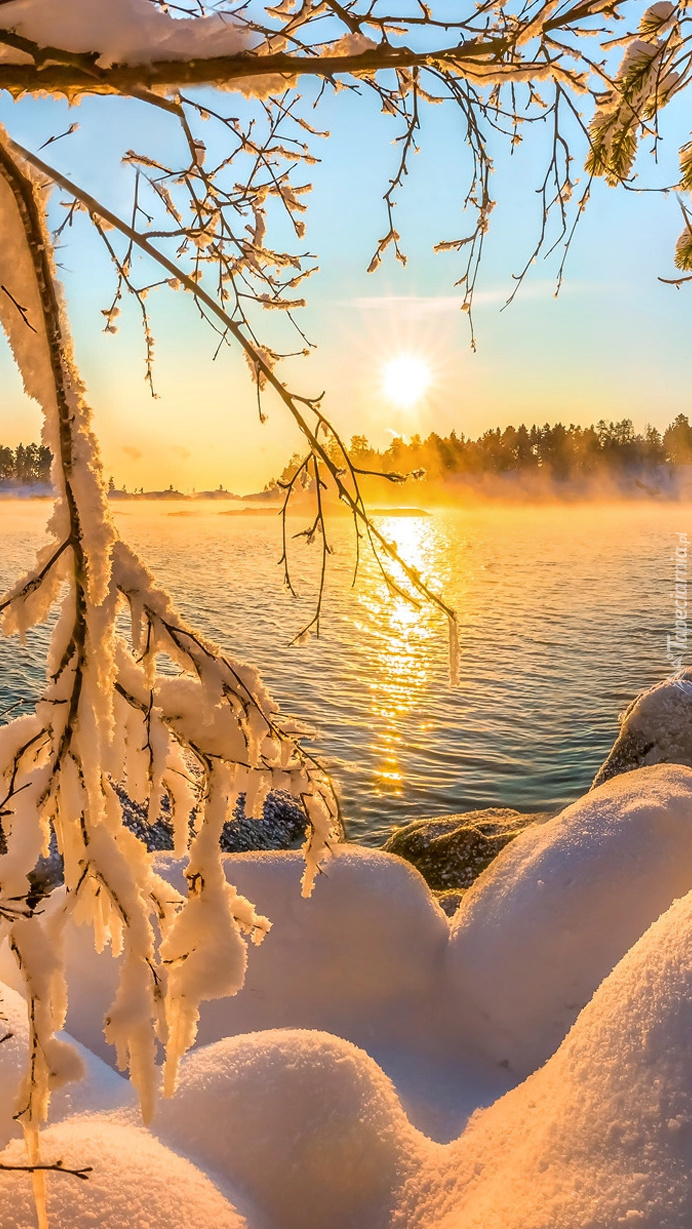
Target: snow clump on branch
123	32
107	719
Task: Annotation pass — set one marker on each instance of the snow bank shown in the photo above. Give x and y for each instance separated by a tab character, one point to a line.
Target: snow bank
123	31
562	904
602	1135
136	1183
305	1125
307	1128
362	958
370	957
311	1132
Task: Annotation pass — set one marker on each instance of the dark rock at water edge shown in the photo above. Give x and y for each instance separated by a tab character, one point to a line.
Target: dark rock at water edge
450	852
46	875
283	826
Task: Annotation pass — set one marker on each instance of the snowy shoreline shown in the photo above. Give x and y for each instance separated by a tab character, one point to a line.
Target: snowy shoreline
345	1084
525	1063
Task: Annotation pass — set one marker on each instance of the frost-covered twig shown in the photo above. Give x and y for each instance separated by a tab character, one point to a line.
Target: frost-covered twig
299	407
490	60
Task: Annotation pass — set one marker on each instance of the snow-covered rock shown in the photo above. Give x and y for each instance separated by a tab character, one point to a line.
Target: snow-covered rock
300	1127
306	1126
305	1130
558	908
601	1136
655	729
135	1183
362	957
311	1132
372	959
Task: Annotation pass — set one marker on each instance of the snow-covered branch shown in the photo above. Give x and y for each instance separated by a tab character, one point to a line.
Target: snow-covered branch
106	719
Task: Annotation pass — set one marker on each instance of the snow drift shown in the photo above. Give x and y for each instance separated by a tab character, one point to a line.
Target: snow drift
571	948
602	1135
372	958
306	1125
562	904
136	1183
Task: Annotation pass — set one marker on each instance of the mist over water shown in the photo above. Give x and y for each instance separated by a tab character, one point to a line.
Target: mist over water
563	612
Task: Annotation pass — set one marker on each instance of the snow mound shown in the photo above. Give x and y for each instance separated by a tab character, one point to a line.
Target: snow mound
305	1125
372	959
136	1183
562	904
602	1135
362	957
455	1016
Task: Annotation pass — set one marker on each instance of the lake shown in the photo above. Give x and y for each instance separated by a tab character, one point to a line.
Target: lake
563	614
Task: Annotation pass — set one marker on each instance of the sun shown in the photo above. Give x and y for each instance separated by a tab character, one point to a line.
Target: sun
405	379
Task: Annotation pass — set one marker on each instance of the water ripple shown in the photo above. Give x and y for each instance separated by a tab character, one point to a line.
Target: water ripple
563	619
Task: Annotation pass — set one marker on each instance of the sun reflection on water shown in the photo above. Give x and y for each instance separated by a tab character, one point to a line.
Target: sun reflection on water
563	616
399	663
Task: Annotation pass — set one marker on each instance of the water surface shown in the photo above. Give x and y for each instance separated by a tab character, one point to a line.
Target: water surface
563	616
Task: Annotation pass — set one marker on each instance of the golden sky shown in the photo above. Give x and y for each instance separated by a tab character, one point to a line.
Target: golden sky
613	345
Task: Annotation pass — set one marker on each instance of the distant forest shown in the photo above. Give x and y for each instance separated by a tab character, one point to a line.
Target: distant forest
558	452
26	464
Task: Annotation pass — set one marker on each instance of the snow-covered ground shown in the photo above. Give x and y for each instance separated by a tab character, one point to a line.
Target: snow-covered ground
526	1066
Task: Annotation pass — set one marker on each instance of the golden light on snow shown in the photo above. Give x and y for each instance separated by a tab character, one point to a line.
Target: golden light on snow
405	379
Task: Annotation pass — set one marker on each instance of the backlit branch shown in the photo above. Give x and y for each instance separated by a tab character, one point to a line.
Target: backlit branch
299	408
108	720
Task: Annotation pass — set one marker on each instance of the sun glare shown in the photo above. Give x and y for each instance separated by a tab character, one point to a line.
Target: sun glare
405	379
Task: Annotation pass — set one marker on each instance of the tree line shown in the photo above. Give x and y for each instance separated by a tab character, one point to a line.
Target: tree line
557	451
26	464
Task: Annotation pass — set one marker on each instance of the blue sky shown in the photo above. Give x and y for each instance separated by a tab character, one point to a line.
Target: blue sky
614	344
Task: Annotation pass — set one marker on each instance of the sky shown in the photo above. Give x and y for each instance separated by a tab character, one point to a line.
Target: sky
614	344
